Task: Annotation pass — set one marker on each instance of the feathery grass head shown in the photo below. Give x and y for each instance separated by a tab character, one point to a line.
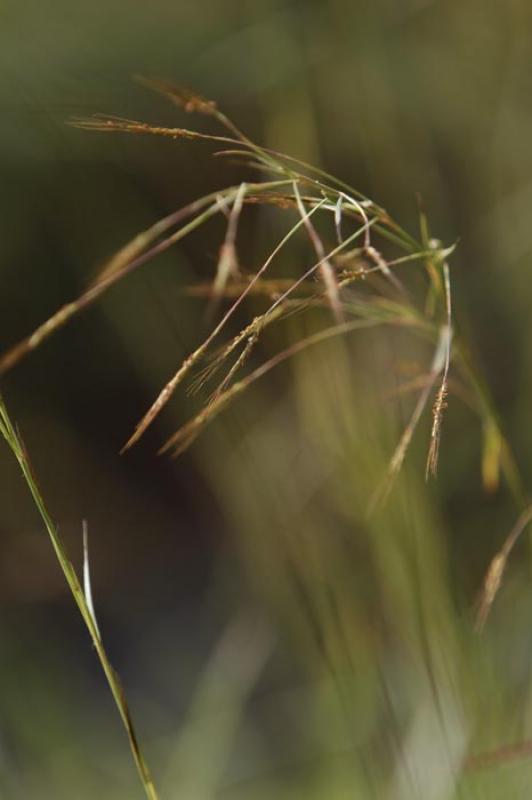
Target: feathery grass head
355	275
365	237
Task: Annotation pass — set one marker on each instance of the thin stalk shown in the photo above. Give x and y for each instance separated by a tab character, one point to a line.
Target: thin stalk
18	449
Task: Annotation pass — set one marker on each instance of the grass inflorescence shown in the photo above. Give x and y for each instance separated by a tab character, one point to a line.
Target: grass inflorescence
356	243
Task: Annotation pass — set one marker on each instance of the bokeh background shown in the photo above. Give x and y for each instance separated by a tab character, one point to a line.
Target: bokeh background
273	641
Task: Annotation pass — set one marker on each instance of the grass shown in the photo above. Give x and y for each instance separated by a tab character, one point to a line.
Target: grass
359	282
353	259
82	597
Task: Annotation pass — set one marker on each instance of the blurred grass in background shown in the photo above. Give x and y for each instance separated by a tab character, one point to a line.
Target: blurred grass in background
273	642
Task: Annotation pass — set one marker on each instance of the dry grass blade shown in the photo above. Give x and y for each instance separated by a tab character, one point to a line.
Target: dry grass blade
267	288
18	449
228	261
121	265
494	575
139	243
338	219
327	270
118	269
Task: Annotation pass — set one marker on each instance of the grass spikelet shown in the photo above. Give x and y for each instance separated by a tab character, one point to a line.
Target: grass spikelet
186	435
271	289
396	462
249	333
440	402
190	101
494	575
193	103
110	124
239	363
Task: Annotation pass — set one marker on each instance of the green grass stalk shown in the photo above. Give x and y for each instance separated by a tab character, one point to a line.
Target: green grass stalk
17	447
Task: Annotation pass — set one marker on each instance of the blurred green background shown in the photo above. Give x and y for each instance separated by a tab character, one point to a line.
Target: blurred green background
273	641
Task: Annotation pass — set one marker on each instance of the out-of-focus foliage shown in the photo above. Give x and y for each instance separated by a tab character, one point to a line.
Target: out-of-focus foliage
274	640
